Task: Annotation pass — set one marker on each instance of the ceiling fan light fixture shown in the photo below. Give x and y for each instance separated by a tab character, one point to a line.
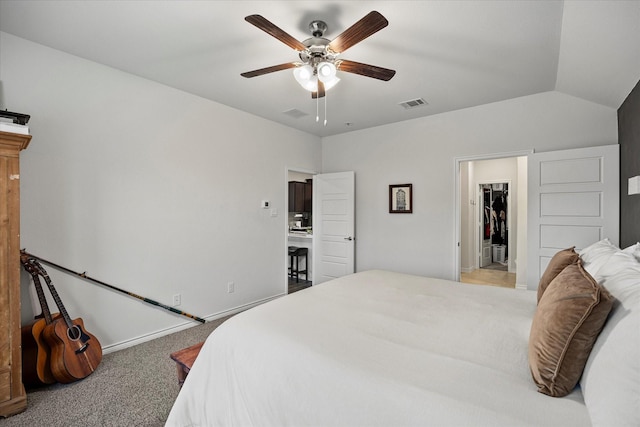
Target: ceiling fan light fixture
312	84
305	77
330	83
326	71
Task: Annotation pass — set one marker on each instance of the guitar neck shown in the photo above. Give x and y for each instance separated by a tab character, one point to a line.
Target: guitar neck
56	297
42	299
32	270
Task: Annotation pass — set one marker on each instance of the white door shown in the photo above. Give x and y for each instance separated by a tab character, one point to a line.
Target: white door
573	201
333	225
484	238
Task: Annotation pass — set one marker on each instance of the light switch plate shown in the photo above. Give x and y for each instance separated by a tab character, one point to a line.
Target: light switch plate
634	185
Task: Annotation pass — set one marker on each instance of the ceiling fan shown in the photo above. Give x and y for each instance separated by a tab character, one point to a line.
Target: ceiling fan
316	70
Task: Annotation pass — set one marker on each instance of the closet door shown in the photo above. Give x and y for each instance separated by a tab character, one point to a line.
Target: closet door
485	225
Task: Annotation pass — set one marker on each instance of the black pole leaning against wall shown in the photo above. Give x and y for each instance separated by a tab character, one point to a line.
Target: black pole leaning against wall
84	276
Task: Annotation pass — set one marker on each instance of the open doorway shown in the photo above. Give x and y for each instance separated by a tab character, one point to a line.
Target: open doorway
492	197
493	226
299	231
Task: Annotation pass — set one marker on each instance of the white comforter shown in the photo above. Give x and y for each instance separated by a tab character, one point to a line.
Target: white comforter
375	349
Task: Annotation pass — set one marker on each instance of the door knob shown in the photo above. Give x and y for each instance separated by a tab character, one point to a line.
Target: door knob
349	238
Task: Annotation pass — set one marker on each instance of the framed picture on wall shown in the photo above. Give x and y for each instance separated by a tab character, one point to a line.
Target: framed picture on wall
401	198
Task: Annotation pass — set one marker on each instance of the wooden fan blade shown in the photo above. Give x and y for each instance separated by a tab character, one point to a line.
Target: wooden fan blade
370	24
366	70
268	70
320	93
274	31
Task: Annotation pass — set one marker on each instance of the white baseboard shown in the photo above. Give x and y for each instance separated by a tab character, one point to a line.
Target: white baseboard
466	269
158	334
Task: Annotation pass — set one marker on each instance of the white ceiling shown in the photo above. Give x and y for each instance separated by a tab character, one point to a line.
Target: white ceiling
453	54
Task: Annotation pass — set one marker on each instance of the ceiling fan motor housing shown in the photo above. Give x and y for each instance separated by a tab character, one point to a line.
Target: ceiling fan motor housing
317	47
317	28
316	51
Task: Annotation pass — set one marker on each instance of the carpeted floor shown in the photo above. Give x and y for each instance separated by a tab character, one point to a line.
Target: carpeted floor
132	387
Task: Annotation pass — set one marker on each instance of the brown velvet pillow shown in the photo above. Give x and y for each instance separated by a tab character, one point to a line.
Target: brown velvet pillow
569	317
559	261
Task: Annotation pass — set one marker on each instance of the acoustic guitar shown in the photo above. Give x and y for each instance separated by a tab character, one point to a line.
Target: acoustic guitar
36	353
75	353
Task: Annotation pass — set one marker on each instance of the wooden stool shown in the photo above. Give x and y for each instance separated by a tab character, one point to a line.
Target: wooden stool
294	254
184	359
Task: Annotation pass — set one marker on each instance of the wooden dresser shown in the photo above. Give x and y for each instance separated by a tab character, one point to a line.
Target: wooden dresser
13	398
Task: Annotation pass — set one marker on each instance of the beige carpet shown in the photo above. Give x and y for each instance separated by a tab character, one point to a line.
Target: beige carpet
132	387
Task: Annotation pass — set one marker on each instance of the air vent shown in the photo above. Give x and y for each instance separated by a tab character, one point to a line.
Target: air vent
413	103
295	113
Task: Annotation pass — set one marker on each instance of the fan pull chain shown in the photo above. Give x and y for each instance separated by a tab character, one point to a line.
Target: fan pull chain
317	109
326	95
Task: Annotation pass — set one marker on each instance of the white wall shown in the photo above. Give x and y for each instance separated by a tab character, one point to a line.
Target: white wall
147	188
422	152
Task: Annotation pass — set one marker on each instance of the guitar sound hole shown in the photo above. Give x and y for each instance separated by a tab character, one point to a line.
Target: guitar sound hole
74	333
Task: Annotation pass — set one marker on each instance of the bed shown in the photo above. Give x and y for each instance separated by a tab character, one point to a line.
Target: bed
380	348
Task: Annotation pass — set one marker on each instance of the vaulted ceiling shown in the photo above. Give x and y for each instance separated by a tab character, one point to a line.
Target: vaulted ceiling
452	54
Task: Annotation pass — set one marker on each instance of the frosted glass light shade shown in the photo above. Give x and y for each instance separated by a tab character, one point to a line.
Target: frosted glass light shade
331	83
308	79
326	72
305	77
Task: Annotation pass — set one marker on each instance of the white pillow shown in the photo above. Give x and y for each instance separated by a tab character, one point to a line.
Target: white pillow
596	255
611	379
633	250
619	261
